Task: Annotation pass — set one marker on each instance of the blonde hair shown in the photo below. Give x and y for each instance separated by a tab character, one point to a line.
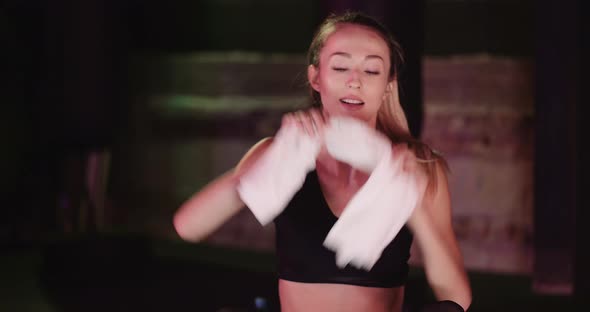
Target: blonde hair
391	119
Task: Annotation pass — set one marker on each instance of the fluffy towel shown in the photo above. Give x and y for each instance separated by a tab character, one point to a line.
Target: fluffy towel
353	142
280	172
377	212
374	215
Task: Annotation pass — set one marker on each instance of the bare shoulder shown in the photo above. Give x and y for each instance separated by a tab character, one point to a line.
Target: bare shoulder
434	171
253	154
437	197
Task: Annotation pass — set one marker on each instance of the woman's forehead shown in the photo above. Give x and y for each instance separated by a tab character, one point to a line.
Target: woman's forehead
355	39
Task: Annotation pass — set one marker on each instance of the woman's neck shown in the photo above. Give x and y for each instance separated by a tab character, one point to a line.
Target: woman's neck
326	165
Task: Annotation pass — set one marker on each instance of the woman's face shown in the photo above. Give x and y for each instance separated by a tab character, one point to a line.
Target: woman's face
352	76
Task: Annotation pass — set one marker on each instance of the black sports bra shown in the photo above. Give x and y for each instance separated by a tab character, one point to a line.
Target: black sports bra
300	231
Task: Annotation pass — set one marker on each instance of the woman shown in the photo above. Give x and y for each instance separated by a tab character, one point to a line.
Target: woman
353	65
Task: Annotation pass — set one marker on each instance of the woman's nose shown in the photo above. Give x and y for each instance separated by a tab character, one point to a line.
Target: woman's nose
353	81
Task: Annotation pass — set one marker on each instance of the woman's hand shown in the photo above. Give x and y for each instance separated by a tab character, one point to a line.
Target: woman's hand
311	122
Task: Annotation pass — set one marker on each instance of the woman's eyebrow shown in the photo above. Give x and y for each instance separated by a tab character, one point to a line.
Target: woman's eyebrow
347	55
341	54
374	57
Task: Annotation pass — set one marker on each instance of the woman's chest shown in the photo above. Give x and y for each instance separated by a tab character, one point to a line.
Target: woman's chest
338	191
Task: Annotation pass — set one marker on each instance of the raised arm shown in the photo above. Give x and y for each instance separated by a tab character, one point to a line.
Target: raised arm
215	203
443	262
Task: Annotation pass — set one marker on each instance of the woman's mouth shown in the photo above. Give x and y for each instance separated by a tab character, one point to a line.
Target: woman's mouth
351	101
352	104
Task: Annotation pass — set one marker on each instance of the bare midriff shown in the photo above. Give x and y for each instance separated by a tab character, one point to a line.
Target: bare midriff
305	297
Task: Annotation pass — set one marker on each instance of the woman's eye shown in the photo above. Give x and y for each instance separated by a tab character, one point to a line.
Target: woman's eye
340	69
372	72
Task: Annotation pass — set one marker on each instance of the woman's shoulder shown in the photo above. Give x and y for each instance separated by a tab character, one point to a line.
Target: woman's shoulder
425	163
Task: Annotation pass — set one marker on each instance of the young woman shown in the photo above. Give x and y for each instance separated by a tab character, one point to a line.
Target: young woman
353	66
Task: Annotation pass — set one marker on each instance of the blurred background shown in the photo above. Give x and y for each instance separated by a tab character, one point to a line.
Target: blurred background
115	112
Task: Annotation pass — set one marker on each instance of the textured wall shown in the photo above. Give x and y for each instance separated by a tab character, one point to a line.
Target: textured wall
478	113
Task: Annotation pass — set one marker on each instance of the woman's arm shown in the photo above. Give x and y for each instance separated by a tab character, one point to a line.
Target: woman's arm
213	205
443	263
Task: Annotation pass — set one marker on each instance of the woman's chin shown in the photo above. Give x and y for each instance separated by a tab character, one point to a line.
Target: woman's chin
360	117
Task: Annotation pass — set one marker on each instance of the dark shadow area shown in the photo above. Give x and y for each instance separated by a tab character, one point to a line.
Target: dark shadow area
68	90
122	274
131	273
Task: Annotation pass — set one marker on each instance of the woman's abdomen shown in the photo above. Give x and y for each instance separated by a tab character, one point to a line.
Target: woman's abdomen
299	297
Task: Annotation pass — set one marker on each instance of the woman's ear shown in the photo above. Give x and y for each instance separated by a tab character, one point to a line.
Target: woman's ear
313	77
389	88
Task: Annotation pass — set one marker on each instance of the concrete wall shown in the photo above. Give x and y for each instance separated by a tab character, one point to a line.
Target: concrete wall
478	113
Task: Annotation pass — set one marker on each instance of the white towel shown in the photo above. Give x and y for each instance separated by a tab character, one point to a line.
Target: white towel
374	215
353	142
273	180
379	209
